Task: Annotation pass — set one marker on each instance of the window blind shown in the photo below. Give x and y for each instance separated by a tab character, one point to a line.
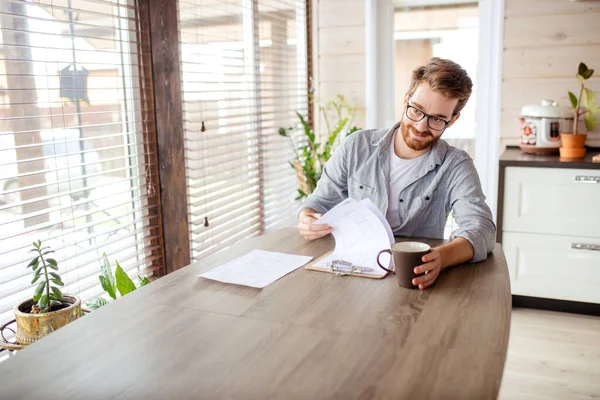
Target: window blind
78	166
244	75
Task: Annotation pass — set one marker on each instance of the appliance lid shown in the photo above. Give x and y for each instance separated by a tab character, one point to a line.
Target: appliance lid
546	109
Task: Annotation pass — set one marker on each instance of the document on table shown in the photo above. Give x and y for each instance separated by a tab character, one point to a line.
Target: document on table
361	232
256	269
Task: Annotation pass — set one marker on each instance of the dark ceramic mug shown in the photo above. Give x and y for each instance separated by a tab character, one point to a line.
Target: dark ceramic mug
405	257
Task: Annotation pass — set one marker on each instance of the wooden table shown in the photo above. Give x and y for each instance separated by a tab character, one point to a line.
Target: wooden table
310	335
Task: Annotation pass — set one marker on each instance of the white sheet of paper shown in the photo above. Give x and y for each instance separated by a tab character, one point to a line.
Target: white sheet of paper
373	208
360	234
256	269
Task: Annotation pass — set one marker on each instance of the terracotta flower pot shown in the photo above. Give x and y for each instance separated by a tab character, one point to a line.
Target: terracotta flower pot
572	146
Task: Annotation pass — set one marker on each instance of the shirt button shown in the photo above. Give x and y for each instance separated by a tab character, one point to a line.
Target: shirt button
401	201
427	198
361	186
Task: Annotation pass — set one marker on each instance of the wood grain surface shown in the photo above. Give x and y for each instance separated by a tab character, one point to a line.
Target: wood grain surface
309	335
166	73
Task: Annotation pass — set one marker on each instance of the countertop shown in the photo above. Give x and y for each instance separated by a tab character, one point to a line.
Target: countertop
513	156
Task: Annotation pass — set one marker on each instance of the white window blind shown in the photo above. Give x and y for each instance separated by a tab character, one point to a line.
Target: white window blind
77	158
244	75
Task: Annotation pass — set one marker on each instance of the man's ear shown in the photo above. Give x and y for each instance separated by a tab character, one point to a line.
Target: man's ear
453	120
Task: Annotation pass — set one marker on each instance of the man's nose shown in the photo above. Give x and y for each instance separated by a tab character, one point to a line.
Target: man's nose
421	126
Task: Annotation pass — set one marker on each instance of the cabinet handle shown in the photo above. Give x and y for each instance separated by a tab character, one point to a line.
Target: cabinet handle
587	179
585	246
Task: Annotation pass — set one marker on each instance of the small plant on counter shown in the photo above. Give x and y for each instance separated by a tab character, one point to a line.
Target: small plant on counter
119	282
47	295
585	105
49	309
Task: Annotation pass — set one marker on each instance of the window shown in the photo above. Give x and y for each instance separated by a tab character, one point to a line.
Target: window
445	31
77	155
244	75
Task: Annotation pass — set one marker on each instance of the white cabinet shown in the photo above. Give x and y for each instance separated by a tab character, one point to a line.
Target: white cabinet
551	266
551	232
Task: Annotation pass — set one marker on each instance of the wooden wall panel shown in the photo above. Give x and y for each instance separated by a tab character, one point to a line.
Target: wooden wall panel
342	40
551	30
548	61
342	68
352	91
517	8
519	91
334	13
340	54
544	42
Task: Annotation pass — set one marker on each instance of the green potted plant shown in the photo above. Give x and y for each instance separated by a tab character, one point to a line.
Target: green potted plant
49	309
311	152
120	282
573	144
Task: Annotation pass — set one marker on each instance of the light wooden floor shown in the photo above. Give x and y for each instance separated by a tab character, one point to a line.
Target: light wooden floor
552	356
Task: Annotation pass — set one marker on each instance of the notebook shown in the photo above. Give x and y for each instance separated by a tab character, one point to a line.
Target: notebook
360	231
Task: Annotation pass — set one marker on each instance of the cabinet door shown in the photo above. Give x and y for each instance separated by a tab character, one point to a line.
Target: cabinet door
548	266
552	201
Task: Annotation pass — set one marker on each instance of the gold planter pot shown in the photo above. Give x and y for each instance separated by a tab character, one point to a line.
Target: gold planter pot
32	327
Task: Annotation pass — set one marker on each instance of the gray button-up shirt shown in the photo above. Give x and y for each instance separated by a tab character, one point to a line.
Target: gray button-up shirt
446	181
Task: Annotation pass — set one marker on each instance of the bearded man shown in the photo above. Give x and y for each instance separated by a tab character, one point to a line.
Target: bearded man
412	176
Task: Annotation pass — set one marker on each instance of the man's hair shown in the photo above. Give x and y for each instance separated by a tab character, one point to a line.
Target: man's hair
445	77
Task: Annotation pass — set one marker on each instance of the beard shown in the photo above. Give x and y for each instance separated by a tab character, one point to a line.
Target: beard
425	139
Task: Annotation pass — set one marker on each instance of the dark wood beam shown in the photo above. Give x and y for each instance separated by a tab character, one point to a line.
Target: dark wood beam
309	64
169	131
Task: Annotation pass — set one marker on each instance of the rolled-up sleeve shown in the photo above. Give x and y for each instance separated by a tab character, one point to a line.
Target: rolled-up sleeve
470	211
332	188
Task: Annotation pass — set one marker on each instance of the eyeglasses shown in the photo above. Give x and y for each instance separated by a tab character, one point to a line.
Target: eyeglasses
416	115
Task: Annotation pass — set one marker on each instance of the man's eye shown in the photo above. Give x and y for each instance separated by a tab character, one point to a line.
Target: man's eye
436	119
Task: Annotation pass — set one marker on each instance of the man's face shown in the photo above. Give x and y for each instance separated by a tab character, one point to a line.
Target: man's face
418	135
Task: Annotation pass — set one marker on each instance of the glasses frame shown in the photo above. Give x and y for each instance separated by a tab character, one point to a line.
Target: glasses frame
425	115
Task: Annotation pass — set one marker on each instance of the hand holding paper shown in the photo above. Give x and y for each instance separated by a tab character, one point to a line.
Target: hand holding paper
307	226
360	232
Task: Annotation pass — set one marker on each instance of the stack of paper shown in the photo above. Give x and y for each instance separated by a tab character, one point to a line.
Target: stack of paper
360	232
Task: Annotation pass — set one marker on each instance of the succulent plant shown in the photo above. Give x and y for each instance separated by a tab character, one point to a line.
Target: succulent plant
47	294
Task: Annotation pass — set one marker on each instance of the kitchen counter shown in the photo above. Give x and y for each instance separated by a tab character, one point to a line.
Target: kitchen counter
513	156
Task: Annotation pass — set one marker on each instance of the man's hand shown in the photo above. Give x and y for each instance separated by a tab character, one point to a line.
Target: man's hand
309	230
432	267
447	255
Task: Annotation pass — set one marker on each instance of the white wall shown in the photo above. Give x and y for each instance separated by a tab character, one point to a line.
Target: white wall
340	52
544	41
